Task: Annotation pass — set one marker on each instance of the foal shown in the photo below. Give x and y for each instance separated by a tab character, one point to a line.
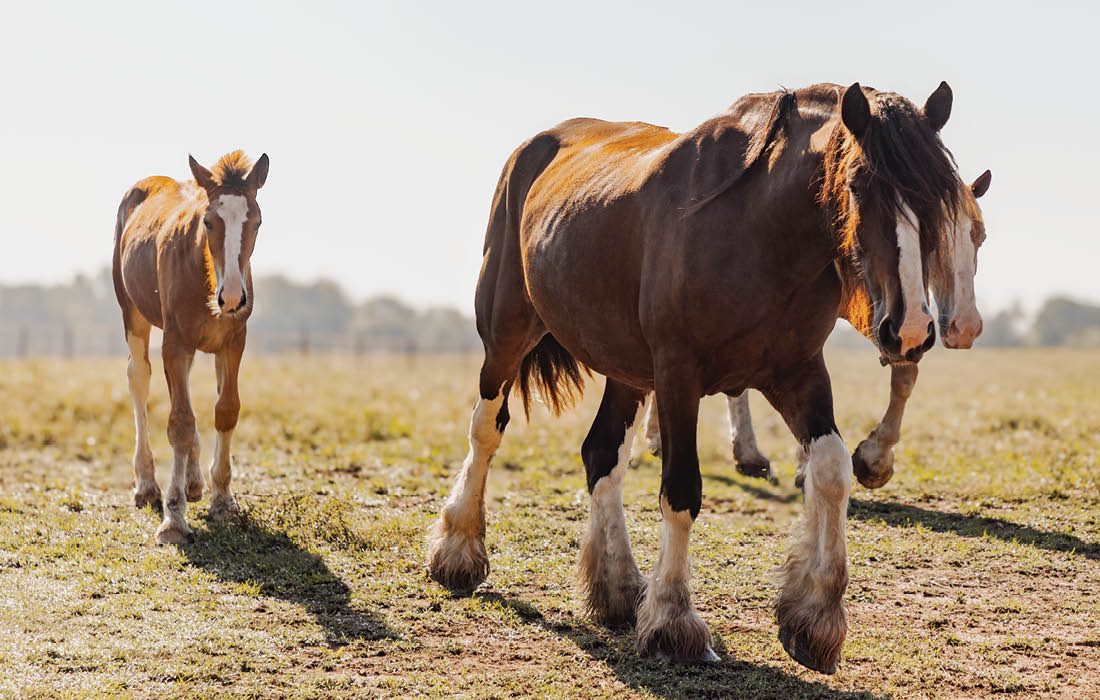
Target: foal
181	263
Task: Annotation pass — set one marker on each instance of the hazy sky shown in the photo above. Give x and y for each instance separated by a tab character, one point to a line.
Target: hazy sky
387	123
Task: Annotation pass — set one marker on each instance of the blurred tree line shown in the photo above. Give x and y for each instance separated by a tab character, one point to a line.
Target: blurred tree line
81	318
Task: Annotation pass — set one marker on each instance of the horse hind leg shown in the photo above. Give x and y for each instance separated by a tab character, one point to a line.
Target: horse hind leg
608	576
456	545
139	372
746	455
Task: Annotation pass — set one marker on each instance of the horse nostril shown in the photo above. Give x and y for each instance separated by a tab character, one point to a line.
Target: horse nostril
221	302
888	336
244	300
930	340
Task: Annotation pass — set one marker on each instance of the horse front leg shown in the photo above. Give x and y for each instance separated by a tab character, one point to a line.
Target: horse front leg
810	609
227	364
183	437
668	625
873	460
608	576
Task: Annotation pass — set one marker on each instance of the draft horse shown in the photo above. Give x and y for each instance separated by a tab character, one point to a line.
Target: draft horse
182	263
693	264
952	268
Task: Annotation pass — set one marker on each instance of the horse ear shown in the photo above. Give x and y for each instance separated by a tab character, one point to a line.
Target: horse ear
981	185
258	175
937	108
855	111
202	176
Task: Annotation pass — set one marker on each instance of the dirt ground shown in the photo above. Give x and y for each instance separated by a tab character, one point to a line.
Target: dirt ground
974	573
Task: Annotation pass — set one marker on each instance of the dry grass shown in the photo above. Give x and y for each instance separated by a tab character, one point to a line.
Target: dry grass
974	572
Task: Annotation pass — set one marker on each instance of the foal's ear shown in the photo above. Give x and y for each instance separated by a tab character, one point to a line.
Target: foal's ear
937	108
981	185
258	175
202	176
854	110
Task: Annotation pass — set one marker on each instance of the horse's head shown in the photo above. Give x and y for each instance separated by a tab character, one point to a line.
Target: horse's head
888	182
953	266
231	222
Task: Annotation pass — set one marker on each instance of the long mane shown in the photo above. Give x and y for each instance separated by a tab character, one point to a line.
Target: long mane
907	163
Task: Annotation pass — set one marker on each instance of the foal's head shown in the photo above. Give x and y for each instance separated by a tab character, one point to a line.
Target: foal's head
890	184
231	222
953	267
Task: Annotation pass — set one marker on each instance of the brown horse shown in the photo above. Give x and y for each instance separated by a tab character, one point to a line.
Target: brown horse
951	274
695	264
181	263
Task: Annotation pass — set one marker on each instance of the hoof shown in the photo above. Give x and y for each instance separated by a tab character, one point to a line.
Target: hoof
872	466
194	492
457	561
676	636
799	646
223	508
168	533
147	497
757	468
615	603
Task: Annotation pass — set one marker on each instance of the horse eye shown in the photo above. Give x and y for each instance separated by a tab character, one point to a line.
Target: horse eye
206	223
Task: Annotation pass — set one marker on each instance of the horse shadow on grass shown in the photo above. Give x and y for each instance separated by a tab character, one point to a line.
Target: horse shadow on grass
243	550
904	515
729	678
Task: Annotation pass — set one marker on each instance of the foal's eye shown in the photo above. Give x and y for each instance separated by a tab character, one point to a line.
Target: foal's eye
206	223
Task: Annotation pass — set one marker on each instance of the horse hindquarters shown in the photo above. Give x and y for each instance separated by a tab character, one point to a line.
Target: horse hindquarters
509	330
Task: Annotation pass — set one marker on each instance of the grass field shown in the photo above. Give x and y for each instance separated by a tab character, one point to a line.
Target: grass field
974	573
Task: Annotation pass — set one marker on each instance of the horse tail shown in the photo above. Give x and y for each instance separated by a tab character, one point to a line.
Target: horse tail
553	373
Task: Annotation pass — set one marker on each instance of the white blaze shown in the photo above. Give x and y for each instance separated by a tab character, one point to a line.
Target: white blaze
956	294
915	320
233	209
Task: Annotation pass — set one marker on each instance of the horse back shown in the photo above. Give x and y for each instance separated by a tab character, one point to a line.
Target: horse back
154	211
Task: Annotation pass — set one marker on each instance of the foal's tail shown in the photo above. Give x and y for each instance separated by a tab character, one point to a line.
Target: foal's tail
553	373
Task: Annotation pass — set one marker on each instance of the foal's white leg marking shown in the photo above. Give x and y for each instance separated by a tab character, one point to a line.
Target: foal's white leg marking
457	547
666	614
139	372
233	210
914	324
607	567
812	619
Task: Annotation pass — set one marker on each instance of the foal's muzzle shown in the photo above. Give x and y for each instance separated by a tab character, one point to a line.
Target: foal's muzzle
889	341
240	303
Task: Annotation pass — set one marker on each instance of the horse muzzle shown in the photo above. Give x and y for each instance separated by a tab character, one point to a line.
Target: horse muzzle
895	350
